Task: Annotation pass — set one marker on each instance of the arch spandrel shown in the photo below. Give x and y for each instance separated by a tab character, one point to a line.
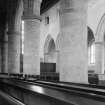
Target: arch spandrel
100	30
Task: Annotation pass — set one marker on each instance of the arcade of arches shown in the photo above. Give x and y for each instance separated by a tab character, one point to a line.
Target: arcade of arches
70	34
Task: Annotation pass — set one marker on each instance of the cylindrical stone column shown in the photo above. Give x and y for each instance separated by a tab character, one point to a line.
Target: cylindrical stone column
31	18
13	52
99	46
73	55
5	53
31	59
3	42
0	61
14	34
5	57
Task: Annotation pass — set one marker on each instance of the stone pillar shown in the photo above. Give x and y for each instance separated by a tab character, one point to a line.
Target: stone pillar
5	57
3	43
73	55
13	52
99	46
1	47
0	60
31	18
14	14
5	54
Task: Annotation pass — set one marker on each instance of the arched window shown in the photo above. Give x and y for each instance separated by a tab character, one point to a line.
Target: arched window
91	47
22	46
22	37
91	54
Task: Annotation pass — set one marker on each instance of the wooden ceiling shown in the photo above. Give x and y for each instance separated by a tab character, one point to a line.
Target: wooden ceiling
46	4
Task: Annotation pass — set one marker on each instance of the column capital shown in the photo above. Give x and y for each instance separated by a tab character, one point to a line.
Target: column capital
31	9
71	5
13	33
40	1
3	42
32	17
100	43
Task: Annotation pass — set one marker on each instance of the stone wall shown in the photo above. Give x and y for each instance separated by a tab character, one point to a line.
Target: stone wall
95	13
51	29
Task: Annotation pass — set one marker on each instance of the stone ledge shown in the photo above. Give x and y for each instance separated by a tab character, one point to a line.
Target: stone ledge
26	17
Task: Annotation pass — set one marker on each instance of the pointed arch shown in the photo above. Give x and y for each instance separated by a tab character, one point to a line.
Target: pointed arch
91	47
91	37
50	53
49	42
101	30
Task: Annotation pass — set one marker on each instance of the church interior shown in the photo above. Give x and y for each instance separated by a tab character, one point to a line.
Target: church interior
52	52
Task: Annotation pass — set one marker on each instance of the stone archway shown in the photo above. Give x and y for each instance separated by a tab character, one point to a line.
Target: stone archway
91	51
49	50
91	47
91	37
49	64
100	30
100	46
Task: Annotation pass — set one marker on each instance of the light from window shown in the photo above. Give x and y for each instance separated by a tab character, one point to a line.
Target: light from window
91	54
22	37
